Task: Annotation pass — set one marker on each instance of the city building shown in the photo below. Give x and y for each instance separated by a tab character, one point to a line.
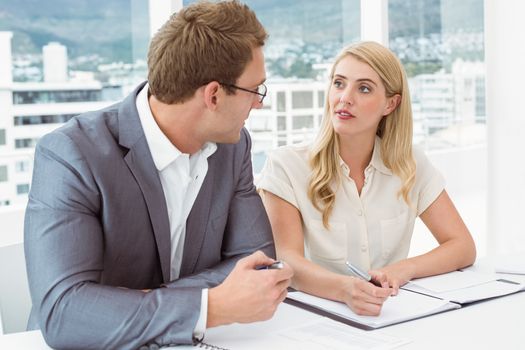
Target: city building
30	110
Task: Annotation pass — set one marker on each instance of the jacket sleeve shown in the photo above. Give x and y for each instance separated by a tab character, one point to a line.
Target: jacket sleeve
64	248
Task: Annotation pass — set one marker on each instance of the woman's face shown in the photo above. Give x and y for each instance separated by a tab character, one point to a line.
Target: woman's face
357	98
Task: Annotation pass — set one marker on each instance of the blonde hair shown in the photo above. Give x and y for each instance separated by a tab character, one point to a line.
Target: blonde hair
395	131
204	42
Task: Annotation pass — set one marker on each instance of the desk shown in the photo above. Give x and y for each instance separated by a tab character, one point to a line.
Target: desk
492	324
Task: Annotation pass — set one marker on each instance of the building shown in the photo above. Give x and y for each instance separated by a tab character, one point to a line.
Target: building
30	110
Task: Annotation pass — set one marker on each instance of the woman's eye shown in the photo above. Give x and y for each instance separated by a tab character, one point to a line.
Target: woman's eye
338	84
365	89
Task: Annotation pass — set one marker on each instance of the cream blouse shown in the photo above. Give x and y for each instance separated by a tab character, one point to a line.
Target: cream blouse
372	230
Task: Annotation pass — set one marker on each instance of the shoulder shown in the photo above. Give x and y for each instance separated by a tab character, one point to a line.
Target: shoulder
84	132
292	153
422	161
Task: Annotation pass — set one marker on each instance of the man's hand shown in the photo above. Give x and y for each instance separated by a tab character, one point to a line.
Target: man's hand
248	295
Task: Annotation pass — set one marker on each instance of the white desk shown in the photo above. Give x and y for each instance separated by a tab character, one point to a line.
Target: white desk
493	324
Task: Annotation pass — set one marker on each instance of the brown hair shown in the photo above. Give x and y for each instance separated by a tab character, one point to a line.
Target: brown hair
203	42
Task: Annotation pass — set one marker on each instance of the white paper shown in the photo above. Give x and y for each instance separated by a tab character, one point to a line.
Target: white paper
328	334
453	281
510	263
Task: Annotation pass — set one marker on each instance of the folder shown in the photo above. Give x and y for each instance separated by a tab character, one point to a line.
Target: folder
417	299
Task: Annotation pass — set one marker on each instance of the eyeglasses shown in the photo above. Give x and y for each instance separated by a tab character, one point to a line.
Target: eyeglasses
260	90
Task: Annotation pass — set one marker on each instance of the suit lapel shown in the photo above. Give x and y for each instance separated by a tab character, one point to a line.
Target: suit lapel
198	220
140	163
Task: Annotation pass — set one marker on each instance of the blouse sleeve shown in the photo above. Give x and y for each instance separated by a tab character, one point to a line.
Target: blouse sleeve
429	182
278	175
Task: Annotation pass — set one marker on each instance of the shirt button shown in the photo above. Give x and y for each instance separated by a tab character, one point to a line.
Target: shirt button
364	248
360	212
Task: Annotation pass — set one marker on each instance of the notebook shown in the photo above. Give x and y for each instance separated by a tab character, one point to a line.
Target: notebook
405	306
418	298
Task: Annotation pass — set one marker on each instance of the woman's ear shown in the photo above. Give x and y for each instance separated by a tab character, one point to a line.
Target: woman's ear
392	104
211	94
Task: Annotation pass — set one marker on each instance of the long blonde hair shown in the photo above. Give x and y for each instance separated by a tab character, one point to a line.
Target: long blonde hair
395	131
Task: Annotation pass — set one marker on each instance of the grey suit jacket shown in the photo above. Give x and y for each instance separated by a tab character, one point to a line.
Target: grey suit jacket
97	232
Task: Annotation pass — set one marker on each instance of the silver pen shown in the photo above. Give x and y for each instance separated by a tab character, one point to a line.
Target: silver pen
358	272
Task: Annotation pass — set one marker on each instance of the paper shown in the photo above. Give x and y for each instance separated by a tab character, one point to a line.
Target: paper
510	263
453	281
328	334
402	307
464	287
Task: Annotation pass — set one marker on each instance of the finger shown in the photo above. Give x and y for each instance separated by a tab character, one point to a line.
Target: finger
395	287
369	293
283	285
257	258
378	292
367	309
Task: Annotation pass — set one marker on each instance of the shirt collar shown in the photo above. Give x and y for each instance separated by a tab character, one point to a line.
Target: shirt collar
376	161
162	150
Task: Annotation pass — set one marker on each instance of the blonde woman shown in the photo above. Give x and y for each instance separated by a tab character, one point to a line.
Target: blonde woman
354	194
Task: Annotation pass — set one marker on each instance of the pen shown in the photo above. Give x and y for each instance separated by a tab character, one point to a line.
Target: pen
275	266
361	274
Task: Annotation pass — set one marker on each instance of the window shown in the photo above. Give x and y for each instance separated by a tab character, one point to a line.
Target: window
2	137
42	119
303	122
281	101
22	189
25	143
281	123
320	98
31	97
3	173
302	99
22	166
443	53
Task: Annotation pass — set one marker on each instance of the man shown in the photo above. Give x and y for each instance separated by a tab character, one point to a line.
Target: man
143	219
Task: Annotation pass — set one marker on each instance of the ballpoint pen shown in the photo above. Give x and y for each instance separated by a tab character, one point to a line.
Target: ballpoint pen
361	274
275	266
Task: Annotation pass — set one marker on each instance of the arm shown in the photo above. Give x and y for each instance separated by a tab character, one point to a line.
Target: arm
362	297
456	247
64	246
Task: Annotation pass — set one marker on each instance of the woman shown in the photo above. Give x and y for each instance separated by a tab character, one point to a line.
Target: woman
354	194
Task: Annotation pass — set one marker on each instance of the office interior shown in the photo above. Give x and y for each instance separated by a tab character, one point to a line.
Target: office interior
468	113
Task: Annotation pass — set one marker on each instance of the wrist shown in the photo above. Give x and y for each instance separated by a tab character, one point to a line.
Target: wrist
217	312
345	284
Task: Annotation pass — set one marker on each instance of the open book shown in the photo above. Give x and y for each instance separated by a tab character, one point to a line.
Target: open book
419	298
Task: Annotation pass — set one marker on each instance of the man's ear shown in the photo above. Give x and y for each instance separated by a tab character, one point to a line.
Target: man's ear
392	104
211	94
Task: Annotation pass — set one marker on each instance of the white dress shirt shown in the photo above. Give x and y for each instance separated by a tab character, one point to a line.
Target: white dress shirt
372	229
181	176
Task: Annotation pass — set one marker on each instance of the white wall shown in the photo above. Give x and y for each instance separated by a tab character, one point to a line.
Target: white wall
504	57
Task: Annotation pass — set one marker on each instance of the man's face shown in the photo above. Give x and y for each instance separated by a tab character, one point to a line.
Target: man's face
235	108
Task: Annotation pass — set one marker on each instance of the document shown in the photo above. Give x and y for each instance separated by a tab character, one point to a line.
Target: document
510	264
328	334
464	287
407	305
292	328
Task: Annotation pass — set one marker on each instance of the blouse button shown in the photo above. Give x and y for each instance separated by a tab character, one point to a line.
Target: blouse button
363	248
360	212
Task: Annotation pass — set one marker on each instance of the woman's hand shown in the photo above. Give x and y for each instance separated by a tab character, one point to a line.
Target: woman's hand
396	275
364	298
